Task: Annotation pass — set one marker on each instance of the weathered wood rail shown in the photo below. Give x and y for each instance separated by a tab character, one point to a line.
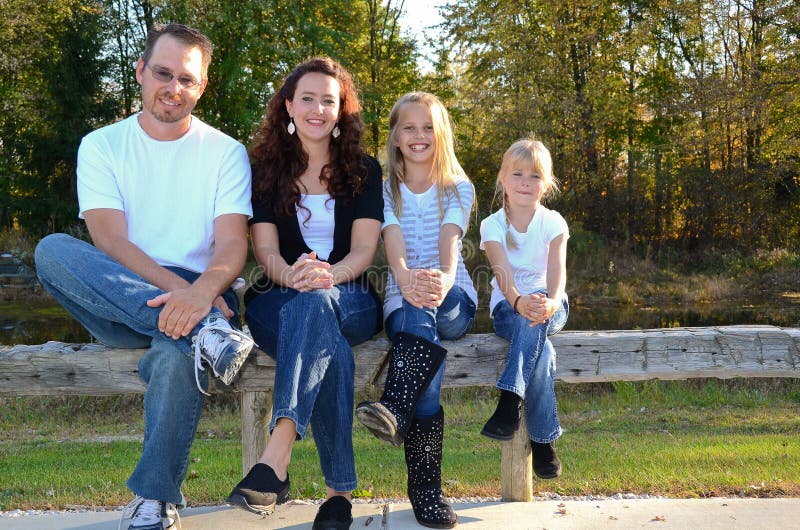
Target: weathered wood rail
56	368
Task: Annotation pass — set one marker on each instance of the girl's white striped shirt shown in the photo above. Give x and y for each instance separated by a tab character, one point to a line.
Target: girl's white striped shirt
421	224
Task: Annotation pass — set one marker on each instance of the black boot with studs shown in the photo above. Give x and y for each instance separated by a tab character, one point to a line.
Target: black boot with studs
423	450
413	362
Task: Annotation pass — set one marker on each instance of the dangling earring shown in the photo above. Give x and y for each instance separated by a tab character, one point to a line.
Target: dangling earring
336	132
291	128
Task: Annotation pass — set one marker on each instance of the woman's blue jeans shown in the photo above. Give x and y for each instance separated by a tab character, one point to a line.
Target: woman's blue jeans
449	321
110	301
531	367
310	334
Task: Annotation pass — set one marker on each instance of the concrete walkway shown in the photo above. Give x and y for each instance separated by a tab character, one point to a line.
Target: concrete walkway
661	514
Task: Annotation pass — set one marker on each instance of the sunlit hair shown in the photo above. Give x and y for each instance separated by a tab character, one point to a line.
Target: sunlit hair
445	170
526	154
278	158
183	34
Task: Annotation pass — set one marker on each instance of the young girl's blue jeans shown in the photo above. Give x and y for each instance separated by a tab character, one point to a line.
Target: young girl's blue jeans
450	321
310	334
531	366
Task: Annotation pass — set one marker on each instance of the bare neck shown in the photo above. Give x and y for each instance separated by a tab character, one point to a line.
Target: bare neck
418	177
520	216
318	156
161	131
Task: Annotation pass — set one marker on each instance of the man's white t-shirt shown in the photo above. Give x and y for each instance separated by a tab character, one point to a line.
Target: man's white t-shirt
170	191
529	260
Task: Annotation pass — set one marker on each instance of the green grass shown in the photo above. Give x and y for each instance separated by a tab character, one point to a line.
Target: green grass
684	439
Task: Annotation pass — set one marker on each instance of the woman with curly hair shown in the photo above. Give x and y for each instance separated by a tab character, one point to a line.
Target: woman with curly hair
317	214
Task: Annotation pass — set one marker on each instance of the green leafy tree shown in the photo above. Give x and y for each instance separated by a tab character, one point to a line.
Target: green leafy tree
126	23
386	67
55	91
668	120
256	44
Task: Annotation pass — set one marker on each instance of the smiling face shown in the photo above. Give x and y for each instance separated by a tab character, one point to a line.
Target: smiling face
315	107
167	105
526	173
414	134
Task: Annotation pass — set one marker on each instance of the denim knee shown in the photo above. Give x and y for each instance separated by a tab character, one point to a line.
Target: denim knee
454	317
317	298
47	254
559	318
50	244
409	319
318	302
456	323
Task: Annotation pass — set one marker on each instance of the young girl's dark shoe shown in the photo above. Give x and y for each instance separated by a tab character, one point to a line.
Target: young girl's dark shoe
334	514
545	460
260	490
505	420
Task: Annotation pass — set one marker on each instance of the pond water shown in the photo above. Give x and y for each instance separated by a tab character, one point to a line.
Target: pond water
40	320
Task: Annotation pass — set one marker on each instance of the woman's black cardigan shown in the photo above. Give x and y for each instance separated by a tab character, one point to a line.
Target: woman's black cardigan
367	204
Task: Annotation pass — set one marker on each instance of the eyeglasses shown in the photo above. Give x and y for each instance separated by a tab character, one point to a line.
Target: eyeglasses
165	76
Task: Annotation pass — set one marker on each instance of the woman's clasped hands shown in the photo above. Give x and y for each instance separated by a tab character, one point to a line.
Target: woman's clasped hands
309	273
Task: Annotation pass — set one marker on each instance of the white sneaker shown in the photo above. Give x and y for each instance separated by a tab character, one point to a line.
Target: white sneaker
147	514
225	349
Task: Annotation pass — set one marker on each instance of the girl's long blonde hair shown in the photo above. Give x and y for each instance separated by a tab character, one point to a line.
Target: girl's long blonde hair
526	153
446	169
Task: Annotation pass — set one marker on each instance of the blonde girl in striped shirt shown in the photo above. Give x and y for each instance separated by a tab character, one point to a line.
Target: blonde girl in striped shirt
429	295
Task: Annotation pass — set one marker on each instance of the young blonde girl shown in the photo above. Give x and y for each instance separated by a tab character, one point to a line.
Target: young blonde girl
526	244
429	295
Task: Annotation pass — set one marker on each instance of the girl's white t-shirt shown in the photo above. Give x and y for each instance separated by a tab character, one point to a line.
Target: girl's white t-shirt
317	231
529	260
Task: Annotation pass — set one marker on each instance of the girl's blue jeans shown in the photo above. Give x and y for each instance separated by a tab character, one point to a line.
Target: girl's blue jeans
451	320
110	301
531	366
310	334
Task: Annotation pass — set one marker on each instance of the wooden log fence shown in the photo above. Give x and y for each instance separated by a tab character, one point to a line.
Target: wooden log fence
57	368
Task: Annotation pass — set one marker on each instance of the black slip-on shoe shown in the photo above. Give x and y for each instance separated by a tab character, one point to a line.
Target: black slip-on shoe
334	514
260	490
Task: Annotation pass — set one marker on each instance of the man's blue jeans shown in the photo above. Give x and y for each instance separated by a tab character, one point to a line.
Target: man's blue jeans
110	301
310	334
531	366
449	321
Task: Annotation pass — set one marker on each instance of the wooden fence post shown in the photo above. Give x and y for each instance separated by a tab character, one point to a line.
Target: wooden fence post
256	415
516	470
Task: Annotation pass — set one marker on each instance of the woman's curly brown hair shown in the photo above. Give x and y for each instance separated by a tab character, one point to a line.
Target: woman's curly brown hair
278	158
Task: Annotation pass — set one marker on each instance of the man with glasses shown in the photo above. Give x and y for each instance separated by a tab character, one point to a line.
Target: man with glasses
166	199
